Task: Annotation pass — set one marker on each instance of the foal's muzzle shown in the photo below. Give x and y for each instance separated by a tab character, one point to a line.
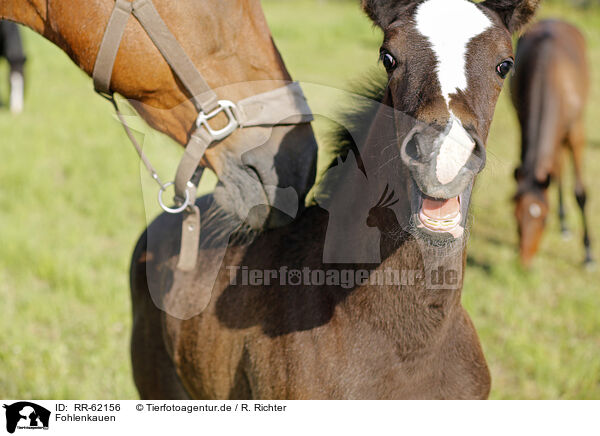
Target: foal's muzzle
443	164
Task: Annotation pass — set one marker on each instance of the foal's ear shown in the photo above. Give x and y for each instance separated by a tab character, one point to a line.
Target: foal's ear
514	13
382	12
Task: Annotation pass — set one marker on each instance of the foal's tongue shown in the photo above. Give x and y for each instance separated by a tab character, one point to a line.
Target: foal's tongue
441	209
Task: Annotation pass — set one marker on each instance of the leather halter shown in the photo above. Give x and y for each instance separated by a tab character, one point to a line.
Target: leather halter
282	106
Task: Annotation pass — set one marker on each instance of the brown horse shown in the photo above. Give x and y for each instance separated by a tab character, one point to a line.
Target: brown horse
214	34
549	91
360	297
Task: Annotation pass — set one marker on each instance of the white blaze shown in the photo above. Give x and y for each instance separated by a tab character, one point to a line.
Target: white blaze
450	25
454	152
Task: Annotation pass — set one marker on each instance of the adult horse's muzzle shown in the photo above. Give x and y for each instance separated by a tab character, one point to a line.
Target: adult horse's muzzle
266	176
443	165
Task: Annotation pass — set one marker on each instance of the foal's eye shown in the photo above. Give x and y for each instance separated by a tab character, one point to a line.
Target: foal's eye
504	67
388	60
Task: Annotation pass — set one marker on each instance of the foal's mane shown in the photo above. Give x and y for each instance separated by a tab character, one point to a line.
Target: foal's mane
355	118
351	128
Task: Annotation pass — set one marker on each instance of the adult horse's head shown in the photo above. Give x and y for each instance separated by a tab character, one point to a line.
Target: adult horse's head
230	44
446	61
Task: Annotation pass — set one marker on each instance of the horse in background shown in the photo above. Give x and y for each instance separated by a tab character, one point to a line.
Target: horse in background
11	48
549	91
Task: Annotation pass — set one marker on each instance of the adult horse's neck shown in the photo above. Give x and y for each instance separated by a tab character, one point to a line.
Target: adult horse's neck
229	42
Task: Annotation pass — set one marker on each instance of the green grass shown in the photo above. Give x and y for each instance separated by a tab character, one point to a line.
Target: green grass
540	330
71	209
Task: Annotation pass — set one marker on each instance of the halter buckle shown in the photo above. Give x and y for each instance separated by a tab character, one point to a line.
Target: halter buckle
229	109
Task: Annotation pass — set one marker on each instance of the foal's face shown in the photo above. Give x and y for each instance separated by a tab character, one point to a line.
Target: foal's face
446	61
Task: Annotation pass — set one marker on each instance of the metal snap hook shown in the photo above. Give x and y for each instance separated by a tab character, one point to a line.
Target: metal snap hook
171	210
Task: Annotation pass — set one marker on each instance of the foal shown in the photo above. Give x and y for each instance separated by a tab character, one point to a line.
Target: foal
286	322
549	91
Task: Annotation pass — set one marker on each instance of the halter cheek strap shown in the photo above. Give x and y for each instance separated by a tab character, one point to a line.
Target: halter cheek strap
202	95
283	106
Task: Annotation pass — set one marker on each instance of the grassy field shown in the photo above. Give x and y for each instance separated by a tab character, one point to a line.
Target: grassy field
71	210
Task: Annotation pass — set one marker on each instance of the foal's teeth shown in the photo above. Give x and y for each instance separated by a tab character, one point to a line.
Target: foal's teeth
440	225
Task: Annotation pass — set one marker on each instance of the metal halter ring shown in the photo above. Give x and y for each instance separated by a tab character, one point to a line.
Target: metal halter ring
169	209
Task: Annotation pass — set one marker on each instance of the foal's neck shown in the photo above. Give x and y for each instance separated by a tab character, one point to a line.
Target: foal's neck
229	42
421	281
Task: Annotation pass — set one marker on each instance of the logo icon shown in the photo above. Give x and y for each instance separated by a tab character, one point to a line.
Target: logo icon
26	415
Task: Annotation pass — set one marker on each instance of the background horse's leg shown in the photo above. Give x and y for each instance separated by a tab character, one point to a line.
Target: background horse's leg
566	234
577	142
13	50
564	230
17	91
153	370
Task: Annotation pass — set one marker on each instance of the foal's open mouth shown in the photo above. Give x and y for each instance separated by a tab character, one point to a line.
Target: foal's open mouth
441	215
440	218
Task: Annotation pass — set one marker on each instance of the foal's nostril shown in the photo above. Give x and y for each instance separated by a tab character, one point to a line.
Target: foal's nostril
416	146
409	150
412	148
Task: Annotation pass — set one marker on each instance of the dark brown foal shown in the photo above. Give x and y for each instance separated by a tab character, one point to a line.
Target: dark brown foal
360	297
